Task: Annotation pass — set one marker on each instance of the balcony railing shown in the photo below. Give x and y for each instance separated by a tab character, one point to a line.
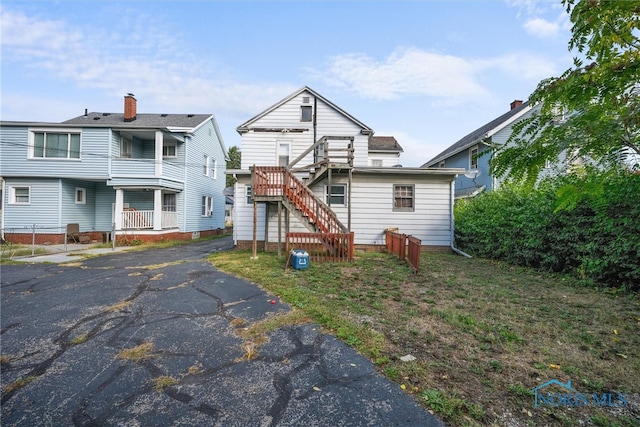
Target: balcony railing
145	168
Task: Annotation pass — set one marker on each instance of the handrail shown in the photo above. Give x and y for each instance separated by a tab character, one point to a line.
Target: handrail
279	181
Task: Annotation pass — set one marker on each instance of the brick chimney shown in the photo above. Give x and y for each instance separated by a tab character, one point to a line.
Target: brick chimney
130	108
514	104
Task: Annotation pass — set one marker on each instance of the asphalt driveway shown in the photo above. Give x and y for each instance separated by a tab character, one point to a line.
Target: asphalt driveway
64	327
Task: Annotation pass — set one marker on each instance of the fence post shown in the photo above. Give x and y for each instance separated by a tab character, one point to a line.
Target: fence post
33	239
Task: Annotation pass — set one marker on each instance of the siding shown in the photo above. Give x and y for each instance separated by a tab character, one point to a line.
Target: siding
43	209
72	212
372	211
259	148
197	185
105	199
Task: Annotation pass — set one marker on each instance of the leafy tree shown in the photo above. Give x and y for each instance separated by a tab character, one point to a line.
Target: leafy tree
600	93
233	163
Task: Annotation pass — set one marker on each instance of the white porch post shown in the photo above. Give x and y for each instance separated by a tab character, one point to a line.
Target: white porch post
117	211
159	139
157	209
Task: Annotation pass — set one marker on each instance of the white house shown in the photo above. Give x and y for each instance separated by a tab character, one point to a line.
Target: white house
310	166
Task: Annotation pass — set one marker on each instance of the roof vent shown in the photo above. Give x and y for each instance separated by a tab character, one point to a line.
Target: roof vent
305	99
106	114
190	115
96	118
164	115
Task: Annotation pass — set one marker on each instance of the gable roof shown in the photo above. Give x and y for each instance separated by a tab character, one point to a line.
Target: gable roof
483	132
384	143
183	121
245	126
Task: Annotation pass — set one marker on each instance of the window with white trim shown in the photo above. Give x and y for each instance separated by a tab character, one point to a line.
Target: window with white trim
403	198
376	163
206	164
207	206
126	147
473	157
55	145
283	153
338	195
81	196
169	202
169	149
20	195
249	194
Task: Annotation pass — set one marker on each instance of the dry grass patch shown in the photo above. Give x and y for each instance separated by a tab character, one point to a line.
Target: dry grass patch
118	306
138	353
79	339
162	382
18	384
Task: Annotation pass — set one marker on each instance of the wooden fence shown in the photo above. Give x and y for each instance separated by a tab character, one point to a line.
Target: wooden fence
323	247
406	247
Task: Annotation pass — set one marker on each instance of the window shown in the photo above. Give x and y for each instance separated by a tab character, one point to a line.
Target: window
20	195
206	165
338	195
283	154
403	198
473	158
377	163
214	169
169	202
558	113
169	150
249	194
306	113
81	196
207	205
126	147
55	145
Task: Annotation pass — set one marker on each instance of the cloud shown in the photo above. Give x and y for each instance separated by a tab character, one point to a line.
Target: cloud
542	28
447	79
150	61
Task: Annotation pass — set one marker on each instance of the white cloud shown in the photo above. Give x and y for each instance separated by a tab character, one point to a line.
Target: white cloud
448	79
150	62
542	28
405	72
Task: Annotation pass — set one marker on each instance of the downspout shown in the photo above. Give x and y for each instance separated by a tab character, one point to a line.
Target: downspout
453	248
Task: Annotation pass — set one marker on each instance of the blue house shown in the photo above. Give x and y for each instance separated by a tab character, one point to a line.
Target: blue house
472	152
143	176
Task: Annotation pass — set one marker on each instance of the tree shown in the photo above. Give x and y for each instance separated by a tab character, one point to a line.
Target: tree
233	163
599	96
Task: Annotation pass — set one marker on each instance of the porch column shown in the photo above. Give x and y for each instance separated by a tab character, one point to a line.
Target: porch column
159	140
157	209
117	211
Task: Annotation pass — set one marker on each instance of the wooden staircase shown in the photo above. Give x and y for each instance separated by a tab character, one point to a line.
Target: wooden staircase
278	183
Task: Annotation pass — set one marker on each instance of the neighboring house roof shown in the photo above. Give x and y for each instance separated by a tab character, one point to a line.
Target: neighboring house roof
384	143
245	126
480	134
183	121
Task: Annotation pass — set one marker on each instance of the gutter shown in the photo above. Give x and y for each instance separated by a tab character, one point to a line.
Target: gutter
452	244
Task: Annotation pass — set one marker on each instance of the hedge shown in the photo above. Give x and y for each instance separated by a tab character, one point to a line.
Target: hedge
588	226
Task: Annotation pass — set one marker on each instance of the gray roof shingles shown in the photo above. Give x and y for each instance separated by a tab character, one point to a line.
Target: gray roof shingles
142	120
384	143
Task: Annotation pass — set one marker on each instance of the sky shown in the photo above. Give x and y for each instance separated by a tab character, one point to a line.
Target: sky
427	72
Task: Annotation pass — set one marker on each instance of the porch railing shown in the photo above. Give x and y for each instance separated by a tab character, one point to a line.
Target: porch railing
140	220
323	247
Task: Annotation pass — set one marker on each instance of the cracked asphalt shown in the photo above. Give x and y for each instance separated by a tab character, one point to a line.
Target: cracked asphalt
63	327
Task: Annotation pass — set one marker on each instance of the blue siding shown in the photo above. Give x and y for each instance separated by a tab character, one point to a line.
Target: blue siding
197	185
72	212
42	211
105	199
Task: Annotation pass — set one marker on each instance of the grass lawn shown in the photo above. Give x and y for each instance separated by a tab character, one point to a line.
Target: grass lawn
483	333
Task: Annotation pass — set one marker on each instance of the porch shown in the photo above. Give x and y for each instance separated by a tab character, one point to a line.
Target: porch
145	209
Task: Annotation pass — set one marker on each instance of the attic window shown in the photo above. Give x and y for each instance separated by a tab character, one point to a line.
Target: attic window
473	158
305	99
305	113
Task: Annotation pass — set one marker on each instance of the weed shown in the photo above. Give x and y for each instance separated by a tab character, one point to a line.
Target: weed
79	339
160	383
5	359
118	306
139	353
18	384
519	389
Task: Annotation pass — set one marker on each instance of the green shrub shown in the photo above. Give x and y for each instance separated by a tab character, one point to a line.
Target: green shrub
587	225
